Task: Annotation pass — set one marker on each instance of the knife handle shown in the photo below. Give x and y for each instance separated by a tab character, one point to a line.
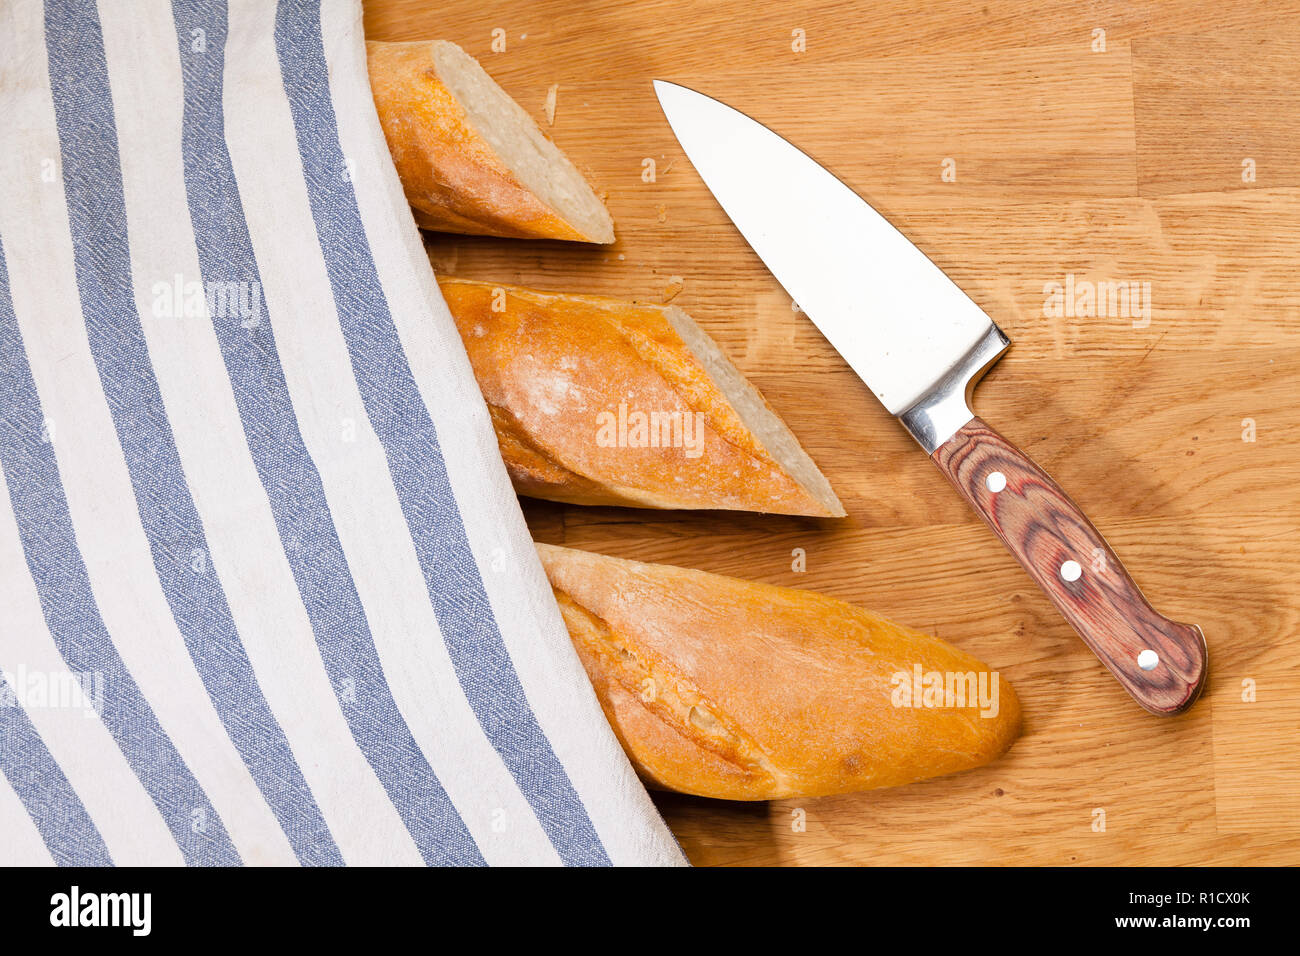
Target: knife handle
1160	662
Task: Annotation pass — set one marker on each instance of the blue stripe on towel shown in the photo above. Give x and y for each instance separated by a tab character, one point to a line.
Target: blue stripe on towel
410	442
59	573
63	823
92	177
292	483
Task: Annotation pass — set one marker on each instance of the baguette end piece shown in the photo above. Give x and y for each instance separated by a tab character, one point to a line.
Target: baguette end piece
743	691
470	158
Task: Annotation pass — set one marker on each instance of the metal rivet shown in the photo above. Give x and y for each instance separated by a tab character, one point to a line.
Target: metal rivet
1148	660
1071	571
995	482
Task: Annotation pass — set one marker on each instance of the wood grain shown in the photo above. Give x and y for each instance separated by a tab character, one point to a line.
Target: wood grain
1047	533
1176	430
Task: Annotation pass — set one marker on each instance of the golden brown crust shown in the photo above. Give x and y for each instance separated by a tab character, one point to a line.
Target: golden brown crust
555	369
743	691
453	179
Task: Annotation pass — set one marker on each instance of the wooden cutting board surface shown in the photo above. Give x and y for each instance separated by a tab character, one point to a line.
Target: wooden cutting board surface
1169	159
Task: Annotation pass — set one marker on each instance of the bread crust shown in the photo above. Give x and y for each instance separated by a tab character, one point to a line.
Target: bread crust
453	179
554	370
743	691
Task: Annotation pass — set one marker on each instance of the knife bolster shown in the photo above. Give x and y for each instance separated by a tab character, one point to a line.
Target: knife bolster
944	408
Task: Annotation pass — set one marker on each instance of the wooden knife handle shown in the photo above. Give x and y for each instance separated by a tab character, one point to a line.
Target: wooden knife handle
1160	662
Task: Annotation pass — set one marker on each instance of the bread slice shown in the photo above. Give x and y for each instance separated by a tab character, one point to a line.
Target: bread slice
597	401
741	691
469	157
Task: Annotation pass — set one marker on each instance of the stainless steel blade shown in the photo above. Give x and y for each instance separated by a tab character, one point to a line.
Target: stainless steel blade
904	326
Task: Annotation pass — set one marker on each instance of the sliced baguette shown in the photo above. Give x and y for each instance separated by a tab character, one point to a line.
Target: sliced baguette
560	372
725	688
469	157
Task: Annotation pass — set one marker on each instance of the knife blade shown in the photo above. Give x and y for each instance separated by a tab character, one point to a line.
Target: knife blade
921	344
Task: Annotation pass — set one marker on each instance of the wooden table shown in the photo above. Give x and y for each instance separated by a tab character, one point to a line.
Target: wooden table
1166	152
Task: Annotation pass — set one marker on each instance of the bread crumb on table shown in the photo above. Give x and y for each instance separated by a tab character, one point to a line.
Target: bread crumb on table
551	95
675	285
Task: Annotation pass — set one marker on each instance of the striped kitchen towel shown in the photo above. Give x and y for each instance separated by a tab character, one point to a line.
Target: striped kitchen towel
266	596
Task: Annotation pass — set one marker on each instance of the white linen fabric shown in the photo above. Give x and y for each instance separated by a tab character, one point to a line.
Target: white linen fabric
267	596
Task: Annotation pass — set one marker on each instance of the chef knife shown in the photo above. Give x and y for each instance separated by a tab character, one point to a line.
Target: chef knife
920	344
